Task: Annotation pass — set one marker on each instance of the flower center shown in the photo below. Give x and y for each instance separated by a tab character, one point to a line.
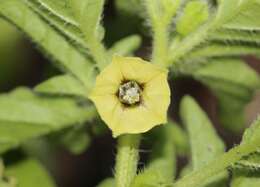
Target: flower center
130	93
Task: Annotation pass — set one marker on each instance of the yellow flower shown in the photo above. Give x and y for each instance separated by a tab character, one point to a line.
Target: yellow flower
131	95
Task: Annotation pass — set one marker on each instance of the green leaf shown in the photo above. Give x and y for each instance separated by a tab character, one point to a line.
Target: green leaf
62	85
230	9
225	160
245	179
60	22
232	72
88	14
253	132
126	46
223	50
250	163
48	39
59	8
234	83
30	173
246	171
235	36
195	14
247	18
205	144
30	115
75	139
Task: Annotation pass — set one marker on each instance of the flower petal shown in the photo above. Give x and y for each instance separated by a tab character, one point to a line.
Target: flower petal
108	81
123	119
104	90
158	105
105	105
135	120
158	86
134	68
156	95
110	75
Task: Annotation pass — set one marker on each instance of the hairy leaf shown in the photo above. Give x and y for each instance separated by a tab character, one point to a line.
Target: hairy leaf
126	46
250	163
253	132
205	145
71	31
232	35
59	8
234	83
225	160
88	14
227	12
223	50
246	171
31	116
245	179
195	13
48	39
248	18
62	85
229	9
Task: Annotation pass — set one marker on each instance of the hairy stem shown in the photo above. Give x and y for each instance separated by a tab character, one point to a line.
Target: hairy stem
198	177
160	45
127	159
186	45
183	47
161	14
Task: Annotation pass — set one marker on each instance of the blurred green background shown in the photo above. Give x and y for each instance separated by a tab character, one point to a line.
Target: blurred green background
21	64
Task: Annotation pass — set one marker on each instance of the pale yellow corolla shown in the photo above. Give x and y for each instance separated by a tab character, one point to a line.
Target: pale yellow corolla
131	95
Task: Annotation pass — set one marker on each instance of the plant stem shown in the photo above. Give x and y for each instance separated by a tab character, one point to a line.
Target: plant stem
185	46
127	159
200	176
160	44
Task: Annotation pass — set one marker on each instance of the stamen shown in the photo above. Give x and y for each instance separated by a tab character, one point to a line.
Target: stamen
130	93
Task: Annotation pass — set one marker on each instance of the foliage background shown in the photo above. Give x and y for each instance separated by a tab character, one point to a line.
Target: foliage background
22	65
